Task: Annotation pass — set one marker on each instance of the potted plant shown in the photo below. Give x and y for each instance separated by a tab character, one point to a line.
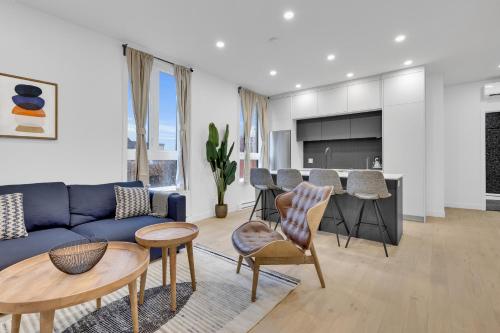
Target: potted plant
223	169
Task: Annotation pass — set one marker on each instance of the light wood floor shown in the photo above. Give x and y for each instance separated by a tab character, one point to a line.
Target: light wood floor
443	277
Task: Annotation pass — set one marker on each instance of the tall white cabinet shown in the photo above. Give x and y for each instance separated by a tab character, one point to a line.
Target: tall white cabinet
404	136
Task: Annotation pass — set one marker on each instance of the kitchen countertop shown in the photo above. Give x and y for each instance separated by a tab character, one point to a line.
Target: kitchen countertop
343	173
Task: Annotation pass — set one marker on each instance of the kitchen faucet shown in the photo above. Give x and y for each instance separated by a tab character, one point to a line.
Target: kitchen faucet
327	149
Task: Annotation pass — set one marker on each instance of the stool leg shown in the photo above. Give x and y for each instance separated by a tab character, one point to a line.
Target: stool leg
379	225
336	226
358	222
240	260
360	218
255	206
341	214
279	217
383	222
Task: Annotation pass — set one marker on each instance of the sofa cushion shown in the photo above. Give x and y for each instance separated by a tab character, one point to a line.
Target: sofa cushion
131	201
89	203
46	205
112	230
11	216
14	250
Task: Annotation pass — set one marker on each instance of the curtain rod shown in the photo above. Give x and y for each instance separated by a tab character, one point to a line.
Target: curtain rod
160	59
240	87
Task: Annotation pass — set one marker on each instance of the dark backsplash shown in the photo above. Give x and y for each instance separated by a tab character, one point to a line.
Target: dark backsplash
343	154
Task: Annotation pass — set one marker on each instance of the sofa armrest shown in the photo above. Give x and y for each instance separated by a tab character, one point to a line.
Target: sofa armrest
177	207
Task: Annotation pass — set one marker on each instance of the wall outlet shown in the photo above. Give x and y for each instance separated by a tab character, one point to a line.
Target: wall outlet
310	161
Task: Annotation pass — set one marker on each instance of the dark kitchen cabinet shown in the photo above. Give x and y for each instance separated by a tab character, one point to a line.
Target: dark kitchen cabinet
366	125
309	130
336	128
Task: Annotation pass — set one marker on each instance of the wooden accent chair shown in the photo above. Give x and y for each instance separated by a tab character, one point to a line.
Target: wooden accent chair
301	211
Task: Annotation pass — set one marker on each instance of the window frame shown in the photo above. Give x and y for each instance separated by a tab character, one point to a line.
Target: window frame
154	151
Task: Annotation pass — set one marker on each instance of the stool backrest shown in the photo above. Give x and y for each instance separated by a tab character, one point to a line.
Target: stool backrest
326	177
289	178
302	211
367	182
261	177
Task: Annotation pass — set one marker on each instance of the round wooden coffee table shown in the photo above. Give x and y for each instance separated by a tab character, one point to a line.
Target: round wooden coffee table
168	236
35	285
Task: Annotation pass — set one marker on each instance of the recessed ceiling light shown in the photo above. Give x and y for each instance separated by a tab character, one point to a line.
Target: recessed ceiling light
298	86
349	74
400	38
330	57
488	86
273	72
498	66
288	15
220	44
408	62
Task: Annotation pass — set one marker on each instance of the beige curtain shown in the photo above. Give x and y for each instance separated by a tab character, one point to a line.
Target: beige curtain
247	104
139	68
251	101
264	130
183	83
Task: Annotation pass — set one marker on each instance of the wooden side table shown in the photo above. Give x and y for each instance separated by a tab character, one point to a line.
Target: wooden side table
35	285
168	236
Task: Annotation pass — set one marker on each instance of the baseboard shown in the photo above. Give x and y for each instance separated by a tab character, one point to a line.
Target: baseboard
464	205
414	218
436	213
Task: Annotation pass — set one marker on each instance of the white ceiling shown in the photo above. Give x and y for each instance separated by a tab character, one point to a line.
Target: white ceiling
457	37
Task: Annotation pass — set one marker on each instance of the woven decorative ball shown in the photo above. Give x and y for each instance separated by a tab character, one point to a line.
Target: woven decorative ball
78	256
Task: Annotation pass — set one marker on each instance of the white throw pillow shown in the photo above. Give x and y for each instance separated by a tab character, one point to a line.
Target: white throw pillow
131	201
12	216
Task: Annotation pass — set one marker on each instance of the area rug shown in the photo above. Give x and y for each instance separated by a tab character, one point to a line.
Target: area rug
221	302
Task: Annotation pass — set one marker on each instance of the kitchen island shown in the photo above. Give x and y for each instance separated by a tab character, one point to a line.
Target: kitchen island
391	208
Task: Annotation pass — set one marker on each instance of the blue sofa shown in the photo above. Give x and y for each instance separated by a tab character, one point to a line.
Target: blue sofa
55	213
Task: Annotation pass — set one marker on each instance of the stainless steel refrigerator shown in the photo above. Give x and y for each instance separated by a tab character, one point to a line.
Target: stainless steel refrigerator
280	150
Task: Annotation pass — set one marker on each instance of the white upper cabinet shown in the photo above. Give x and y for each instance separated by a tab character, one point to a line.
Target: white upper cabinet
279	111
332	101
404	88
305	105
364	96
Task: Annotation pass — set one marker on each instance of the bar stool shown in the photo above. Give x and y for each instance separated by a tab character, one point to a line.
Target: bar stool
330	177
261	179
368	185
287	180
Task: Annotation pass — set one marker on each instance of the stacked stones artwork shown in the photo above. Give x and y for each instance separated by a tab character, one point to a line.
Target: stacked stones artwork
28	110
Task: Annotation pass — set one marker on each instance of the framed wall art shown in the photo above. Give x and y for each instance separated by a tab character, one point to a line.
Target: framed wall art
28	108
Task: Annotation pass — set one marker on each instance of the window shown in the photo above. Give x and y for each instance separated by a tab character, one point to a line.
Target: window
254	142
161	128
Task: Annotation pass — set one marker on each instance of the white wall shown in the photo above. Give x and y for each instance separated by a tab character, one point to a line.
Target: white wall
87	68
435	144
214	100
464	144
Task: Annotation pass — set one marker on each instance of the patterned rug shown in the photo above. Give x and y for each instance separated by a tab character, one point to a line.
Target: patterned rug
221	302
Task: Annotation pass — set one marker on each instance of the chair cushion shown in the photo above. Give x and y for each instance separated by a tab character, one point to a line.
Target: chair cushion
15	250
295	225
89	203
46	205
112	230
252	236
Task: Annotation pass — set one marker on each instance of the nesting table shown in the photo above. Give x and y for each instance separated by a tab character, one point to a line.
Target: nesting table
36	285
168	236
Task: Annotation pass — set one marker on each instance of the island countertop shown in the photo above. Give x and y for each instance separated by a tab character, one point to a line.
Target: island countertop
343	173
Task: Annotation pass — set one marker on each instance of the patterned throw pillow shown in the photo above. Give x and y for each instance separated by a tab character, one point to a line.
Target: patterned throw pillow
12	216
131	201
